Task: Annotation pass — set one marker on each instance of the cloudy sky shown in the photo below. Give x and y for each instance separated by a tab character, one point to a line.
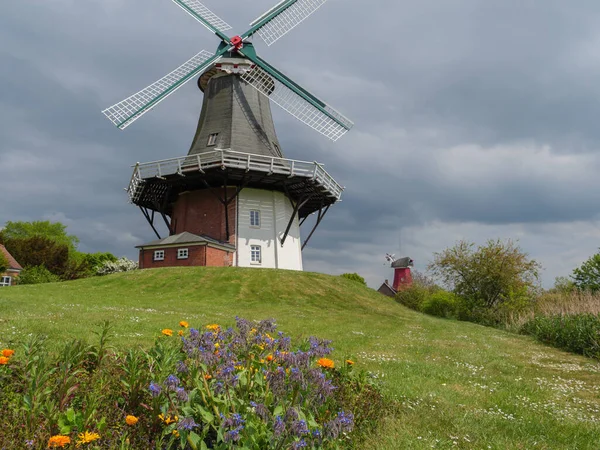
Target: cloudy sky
474	120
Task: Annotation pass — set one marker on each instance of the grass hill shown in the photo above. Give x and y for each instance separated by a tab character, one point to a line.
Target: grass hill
460	385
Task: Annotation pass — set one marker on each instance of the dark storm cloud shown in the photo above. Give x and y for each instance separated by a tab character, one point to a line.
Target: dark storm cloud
471	117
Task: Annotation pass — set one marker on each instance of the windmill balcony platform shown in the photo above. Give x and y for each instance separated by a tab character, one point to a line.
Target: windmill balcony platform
156	185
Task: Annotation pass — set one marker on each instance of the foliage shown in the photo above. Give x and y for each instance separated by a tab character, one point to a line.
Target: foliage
587	276
39	251
119	265
4	266
354	277
578	333
441	304
53	231
563	286
489	274
415	295
97	260
36	275
213	388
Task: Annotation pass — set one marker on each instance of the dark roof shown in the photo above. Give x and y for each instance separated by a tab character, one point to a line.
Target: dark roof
186	238
386	289
402	263
12	262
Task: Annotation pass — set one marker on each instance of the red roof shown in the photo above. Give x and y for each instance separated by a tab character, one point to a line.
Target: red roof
12	262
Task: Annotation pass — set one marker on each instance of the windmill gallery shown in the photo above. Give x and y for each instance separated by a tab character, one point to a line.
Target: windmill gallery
234	199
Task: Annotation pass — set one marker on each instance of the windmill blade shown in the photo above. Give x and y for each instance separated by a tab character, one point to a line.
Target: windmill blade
296	100
282	18
205	16
132	108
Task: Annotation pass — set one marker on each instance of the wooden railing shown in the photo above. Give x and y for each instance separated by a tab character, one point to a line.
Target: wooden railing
235	160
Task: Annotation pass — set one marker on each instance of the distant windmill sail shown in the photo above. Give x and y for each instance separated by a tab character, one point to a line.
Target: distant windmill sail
284	92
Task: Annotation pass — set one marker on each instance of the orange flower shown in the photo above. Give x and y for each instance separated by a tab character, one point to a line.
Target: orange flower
184	324
207	377
7	352
180	333
168	420
87	437
58	441
349	362
175	433
269	358
213	327
167	332
131	420
3	360
326	363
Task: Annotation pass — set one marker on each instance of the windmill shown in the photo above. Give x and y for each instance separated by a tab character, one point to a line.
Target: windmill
402	274
234	199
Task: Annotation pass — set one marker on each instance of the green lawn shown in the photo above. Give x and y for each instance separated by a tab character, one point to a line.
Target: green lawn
461	385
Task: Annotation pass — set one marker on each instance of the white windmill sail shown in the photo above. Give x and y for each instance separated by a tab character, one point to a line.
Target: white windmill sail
286	20
203	15
135	106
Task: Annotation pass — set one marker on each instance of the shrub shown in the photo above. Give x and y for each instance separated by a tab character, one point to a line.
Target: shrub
36	275
578	333
587	276
213	388
120	265
413	296
354	277
440	303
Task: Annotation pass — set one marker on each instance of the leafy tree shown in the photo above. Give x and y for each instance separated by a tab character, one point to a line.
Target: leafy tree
587	276
488	275
54	231
97	260
354	277
4	266
40	251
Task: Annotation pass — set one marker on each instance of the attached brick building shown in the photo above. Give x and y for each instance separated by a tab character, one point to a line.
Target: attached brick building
8	278
186	249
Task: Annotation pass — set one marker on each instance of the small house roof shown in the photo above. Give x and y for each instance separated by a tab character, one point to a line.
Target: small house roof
12	262
186	238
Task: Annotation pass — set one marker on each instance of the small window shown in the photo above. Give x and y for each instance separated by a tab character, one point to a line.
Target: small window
159	255
212	139
255	256
5	281
255	218
182	253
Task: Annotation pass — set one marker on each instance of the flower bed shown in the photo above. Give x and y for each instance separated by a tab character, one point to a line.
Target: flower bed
242	387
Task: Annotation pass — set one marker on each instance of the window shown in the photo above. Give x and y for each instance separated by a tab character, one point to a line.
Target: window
159	255
5	281
255	257
182	253
212	139
255	218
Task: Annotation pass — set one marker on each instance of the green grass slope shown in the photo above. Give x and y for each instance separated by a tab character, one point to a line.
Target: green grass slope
460	385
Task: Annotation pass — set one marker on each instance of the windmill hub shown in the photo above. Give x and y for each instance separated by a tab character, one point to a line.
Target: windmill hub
237	42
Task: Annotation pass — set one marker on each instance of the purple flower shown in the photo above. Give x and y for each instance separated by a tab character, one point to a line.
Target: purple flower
187	424
343	423
182	395
172	382
29	443
233	435
261	411
298	444
278	426
299	428
155	389
181	367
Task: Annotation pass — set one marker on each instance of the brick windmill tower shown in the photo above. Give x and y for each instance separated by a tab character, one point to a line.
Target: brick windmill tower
234	199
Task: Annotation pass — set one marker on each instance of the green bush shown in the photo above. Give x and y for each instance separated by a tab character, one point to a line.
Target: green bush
3	263
413	296
577	333
212	388
441	304
36	275
354	277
